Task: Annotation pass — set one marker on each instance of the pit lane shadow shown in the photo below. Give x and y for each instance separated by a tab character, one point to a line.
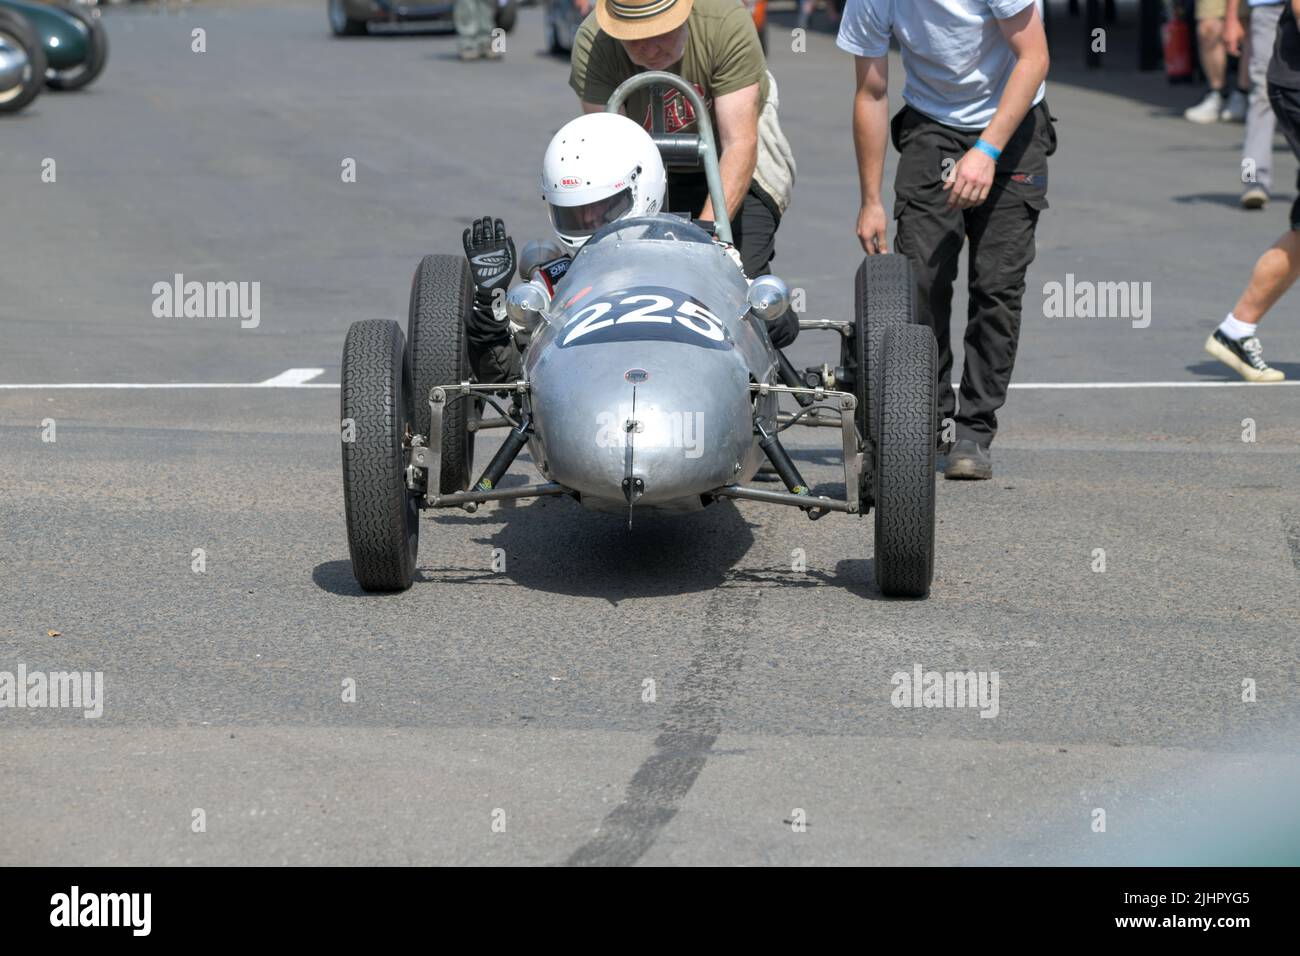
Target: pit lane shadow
555	545
1231	200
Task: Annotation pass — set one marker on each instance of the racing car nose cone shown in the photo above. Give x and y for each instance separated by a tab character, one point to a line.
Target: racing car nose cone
674	435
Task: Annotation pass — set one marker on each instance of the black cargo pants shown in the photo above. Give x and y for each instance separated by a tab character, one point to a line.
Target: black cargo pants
1000	232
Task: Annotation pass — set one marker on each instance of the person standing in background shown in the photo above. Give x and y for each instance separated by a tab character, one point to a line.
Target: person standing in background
1254	42
1235	342
1218	105
475	20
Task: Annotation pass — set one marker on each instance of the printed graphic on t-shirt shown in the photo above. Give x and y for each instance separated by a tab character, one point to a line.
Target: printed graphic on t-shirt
679	114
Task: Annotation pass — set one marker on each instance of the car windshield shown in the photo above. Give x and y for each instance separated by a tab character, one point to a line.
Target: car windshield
664	227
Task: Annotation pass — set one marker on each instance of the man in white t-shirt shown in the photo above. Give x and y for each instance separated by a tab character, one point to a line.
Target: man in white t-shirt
973	140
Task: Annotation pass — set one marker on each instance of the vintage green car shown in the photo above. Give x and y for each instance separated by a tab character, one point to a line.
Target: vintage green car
72	37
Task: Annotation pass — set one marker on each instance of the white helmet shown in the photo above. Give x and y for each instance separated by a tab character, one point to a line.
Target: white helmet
598	168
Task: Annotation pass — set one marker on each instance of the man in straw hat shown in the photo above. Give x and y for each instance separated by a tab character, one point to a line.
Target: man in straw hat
713	45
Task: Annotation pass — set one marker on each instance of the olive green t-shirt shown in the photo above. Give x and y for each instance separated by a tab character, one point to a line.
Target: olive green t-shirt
722	55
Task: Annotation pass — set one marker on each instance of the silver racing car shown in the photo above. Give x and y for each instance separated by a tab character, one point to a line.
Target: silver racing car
649	382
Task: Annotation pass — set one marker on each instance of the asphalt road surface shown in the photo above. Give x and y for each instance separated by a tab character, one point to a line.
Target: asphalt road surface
501	716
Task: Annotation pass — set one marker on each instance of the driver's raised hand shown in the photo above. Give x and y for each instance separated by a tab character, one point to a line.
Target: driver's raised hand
491	255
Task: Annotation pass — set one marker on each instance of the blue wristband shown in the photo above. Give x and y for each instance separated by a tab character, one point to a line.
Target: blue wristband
988	149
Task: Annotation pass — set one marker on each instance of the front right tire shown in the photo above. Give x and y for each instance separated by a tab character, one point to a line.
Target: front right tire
884	293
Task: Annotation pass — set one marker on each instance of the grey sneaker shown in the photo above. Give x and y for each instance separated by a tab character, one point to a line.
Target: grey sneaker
969	460
1256	197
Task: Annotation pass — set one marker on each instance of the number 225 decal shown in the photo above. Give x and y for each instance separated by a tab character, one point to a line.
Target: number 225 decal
645	313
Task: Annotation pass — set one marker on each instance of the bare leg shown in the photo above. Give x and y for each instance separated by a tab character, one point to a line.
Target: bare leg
1274	273
1214	58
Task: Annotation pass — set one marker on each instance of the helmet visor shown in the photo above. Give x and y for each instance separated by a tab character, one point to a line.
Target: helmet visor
582	221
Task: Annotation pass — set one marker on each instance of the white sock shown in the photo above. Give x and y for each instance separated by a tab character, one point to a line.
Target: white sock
1235	329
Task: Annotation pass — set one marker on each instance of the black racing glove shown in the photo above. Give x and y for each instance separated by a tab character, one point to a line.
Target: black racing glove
491	255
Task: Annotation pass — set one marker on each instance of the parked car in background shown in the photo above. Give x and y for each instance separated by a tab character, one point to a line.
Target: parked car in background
72	37
22	62
350	18
563	17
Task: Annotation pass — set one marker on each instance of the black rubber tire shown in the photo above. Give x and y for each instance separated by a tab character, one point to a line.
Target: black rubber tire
884	296
507	15
383	515
442	293
903	472
96	60
17	28
340	23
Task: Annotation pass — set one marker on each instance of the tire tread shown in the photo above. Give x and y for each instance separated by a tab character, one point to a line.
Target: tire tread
904	474
442	291
383	525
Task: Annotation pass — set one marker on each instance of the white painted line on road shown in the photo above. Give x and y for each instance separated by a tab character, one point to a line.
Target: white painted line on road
289	378
1146	384
154	385
292	376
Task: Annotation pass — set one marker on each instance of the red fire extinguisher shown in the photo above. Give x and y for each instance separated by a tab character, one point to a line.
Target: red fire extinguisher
1178	44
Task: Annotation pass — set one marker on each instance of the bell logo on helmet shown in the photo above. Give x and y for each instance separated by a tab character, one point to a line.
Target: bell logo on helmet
570	182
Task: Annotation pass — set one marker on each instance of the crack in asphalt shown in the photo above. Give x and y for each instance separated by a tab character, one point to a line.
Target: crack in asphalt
686	738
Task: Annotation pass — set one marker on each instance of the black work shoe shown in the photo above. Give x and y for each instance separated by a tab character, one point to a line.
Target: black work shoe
969	460
1244	356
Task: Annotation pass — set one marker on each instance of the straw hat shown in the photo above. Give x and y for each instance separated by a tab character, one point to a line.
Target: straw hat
641	19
